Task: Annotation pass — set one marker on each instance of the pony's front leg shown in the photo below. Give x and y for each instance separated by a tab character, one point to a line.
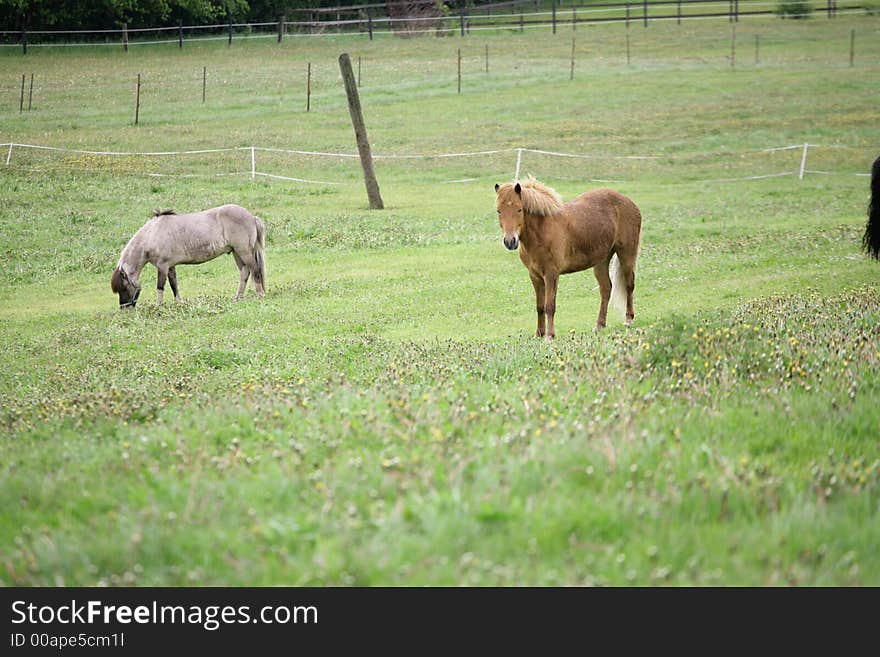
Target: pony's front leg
550	284
172	278
538	284
160	283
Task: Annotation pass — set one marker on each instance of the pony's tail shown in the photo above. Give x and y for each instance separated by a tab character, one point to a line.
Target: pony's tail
259	247
618	279
618	285
871	239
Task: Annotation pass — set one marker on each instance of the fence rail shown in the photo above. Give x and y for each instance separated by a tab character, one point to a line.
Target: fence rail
477	18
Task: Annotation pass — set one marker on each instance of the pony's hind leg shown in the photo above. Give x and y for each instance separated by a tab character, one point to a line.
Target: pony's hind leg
600	270
172	278
244	272
627	277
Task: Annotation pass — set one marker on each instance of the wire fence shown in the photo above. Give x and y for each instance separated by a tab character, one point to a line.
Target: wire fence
503	16
329	168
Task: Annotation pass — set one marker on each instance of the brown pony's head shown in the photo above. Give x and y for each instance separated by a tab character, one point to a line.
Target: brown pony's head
511	218
127	289
515	201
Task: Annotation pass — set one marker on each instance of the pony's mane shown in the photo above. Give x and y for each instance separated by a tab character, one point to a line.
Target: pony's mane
159	213
116	281
537	198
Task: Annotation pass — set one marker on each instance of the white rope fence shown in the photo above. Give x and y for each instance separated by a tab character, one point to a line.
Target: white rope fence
519	151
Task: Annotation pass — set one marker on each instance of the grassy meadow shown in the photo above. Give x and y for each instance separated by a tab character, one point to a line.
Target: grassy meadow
384	416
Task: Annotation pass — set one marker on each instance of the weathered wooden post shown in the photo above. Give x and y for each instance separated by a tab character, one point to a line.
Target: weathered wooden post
554	16
370	24
360	133
229	29
180	33
281	28
462	19
125	37
645	12
24	42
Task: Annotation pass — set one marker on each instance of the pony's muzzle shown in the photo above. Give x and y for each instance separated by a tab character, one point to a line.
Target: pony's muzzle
511	242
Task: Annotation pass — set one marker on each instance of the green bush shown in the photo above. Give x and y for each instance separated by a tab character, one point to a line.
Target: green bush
795	9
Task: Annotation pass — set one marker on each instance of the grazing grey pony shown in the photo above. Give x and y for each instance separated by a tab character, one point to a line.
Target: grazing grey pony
170	239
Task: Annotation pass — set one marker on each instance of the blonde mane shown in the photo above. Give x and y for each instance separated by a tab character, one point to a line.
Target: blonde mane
537	198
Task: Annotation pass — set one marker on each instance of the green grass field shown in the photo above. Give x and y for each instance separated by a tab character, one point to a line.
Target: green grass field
384	415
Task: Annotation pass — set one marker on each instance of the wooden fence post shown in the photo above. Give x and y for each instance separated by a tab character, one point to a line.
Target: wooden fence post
21	102
370	24
308	87
645	12
360	133
31	93
733	45
852	47
137	100
180	33
462	20
554	16
574	19
281	28
24	42
521	26
679	13
229	29
125	37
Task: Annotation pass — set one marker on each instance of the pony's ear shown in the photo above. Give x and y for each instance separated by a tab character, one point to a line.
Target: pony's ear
497	187
517	188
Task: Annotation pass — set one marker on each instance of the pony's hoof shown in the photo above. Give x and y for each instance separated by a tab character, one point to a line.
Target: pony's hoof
549	337
628	322
599	327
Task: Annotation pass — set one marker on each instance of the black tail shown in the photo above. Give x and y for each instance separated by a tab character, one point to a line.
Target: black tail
871	239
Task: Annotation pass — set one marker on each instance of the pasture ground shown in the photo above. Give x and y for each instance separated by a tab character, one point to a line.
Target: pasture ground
384	416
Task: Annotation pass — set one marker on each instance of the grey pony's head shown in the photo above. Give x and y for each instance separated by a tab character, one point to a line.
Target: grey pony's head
127	289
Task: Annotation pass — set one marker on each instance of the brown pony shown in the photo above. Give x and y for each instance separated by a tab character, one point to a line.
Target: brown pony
598	229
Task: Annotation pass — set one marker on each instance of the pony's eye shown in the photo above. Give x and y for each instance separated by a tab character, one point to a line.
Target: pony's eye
519	210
